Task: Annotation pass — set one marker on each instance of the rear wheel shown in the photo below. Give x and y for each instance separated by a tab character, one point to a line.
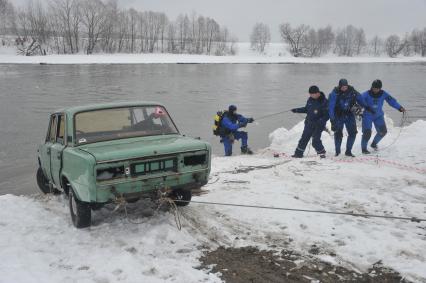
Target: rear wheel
42	181
181	197
81	213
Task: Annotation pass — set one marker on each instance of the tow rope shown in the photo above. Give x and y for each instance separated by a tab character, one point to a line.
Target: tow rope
412	219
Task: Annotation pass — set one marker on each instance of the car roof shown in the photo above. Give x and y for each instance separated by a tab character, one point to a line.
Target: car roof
83	108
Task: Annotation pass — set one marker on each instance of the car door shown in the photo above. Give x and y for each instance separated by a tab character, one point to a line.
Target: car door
56	150
45	149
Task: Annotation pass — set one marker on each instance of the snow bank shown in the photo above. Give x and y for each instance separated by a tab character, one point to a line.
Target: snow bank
39	244
275	53
385	184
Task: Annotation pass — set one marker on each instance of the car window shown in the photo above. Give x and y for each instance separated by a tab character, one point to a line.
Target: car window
125	122
52	131
61	129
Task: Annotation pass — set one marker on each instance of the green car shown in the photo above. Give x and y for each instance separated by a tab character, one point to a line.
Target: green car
105	153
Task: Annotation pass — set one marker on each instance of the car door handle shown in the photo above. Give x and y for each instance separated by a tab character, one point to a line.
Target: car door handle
48	151
58	155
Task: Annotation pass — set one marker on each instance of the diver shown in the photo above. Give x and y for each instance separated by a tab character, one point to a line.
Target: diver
344	102
374	99
229	124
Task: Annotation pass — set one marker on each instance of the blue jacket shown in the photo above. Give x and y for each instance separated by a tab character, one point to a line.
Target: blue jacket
375	102
316	110
232	123
340	103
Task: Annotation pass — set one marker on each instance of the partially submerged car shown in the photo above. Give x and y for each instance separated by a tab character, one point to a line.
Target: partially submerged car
99	154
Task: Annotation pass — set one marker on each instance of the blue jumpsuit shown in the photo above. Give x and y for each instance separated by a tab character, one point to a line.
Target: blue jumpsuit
375	102
316	119
340	104
231	124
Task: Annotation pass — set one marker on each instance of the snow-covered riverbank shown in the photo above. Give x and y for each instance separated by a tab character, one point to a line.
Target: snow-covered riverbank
39	244
275	53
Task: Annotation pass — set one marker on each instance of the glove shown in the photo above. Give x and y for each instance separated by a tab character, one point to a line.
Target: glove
402	109
371	110
294	110
333	125
242	125
250	120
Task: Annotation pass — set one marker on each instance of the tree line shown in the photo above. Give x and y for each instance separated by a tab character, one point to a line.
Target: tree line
306	41
91	26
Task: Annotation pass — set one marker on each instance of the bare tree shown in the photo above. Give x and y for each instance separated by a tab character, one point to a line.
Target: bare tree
66	26
394	45
325	39
110	26
260	37
164	21
310	44
212	33
375	46
359	41
418	41
93	19
122	31
66	22
346	42
7	18
171	40
294	37
34	25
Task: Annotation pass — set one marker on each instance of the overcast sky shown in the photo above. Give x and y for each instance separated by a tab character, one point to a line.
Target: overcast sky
382	17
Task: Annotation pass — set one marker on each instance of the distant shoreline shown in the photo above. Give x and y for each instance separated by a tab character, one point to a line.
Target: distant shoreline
193	59
275	53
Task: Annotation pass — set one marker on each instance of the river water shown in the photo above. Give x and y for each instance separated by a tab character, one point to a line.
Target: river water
192	94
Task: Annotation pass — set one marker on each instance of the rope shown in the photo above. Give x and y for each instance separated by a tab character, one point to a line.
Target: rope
271	115
412	219
174	209
401	125
418	117
120	201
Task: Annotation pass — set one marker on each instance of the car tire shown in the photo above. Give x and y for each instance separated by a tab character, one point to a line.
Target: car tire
81	213
181	197
42	181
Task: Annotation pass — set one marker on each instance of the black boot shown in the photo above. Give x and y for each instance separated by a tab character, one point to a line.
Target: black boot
365	151
246	150
322	153
297	154
348	153
374	146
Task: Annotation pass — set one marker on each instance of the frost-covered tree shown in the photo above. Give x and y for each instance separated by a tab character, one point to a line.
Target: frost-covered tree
375	46
325	39
260	37
394	45
349	41
294	37
418	41
360	41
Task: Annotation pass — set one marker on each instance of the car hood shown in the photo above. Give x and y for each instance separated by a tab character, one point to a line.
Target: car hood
142	147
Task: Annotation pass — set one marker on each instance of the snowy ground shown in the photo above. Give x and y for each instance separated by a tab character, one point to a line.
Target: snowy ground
39	244
274	53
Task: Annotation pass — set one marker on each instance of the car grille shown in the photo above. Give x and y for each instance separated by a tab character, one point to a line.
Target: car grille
154	166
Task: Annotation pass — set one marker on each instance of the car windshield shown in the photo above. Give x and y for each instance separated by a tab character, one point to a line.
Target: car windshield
119	123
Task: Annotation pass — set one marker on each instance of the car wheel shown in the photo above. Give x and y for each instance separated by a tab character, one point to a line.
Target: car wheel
81	214
181	197
42	181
